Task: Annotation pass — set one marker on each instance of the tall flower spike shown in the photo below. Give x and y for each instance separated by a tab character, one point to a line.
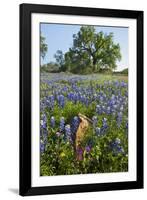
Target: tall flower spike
52	122
98	131
62	123
95	120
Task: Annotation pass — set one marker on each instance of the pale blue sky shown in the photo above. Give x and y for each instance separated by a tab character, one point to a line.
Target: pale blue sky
59	37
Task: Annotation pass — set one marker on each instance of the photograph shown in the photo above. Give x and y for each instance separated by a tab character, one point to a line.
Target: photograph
83	99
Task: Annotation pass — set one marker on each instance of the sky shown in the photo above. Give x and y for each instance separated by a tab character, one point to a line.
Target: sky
60	37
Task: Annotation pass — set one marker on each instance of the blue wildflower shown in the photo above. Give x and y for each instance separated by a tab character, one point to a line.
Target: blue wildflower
117	147
44	121
104	126
42	147
62	123
61	101
104	121
119	119
88	149
52	121
108	110
94	120
50	102
127	125
75	124
68	133
98	131
98	109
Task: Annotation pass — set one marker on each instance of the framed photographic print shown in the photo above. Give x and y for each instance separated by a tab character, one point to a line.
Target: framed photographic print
81	99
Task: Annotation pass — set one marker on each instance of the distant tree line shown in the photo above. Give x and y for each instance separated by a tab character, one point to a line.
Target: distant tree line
123	72
91	52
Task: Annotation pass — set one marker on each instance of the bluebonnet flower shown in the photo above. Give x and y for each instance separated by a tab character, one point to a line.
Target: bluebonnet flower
94	120
52	121
68	133
67	129
43	122
98	131
119	119
50	102
75	98
61	101
121	108
127	125
108	110
62	123
116	83
104	126
42	147
126	93
95	97
70	96
43	127
115	106
101	98
98	109
83	99
86	102
120	149
88	149
65	89
42	105
75	124
105	123
117	141
117	147
123	84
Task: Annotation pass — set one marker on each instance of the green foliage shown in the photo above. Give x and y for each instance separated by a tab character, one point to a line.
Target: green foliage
43	46
49	68
58	158
59	58
91	52
125	71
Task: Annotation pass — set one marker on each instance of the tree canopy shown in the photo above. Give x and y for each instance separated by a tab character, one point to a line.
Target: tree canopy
43	46
91	52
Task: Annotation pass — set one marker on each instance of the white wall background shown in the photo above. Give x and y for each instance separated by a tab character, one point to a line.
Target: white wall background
9	98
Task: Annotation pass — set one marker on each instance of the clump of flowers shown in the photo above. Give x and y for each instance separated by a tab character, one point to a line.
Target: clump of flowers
95	121
103	144
119	119
117	147
98	131
68	133
75	124
61	100
62	124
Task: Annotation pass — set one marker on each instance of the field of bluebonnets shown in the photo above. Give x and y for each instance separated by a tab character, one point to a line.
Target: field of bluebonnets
102	100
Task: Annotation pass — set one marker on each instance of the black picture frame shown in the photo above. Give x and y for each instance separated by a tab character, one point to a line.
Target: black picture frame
25	187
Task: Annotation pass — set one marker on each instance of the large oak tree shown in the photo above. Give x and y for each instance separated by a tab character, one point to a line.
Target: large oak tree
92	50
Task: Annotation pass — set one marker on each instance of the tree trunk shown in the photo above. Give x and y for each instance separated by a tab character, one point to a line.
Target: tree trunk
94	64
